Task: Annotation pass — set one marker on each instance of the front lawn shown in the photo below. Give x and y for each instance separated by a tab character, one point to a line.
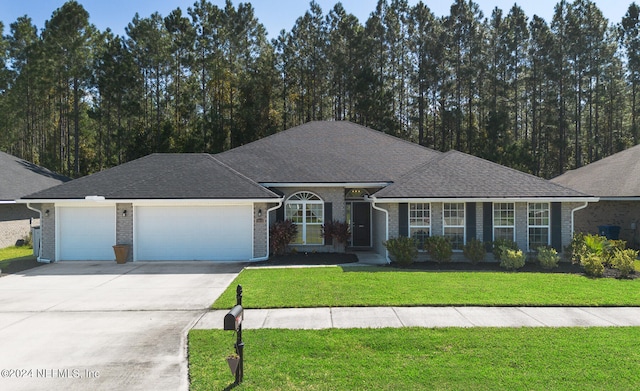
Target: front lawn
426	359
14	259
383	286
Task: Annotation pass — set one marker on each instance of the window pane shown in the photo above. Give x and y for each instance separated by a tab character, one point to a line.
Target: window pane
314	234
293	212
453	214
419	215
455	236
539	214
419	235
504	214
314	213
503	233
538	237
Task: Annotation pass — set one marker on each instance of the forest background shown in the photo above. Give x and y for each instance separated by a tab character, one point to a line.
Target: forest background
542	97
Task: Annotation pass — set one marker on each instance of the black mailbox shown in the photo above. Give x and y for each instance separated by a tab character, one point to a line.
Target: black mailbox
233	319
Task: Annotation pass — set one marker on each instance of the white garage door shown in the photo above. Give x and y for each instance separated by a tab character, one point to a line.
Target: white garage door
86	234
219	233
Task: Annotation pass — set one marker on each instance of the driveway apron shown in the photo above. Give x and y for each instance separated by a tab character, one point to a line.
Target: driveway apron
104	326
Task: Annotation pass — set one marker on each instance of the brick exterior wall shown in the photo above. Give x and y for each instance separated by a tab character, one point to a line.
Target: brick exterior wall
124	226
48	231
621	213
16	221
260	230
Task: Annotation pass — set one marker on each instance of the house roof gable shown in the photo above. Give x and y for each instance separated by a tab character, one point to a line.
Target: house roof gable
327	152
19	177
459	175
617	175
162	176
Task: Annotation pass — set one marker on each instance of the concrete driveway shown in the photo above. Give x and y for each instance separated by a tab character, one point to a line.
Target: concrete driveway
104	326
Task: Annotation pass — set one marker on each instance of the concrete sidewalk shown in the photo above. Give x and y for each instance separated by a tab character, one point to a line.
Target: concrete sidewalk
376	317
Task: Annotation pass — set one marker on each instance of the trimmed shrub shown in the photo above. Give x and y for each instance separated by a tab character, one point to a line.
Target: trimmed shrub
402	250
280	235
512	259
439	248
501	244
548	257
593	265
623	261
474	251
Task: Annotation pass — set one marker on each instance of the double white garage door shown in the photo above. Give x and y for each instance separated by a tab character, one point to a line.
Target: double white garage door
160	233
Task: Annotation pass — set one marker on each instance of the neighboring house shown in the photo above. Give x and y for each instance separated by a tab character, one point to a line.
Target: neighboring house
616	181
19	178
219	207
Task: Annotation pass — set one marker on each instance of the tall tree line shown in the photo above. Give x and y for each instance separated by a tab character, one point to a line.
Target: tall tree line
540	96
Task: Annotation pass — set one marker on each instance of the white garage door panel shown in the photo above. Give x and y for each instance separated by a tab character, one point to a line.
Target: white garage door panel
222	233
86	234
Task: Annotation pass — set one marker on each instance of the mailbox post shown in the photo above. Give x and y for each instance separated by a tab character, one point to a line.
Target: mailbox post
233	321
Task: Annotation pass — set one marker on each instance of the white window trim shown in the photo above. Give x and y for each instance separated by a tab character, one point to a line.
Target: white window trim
493	233
419	226
463	226
529	226
303	225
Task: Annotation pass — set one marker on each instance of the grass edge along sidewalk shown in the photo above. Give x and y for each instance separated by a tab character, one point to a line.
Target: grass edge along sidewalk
350	286
420	358
15	259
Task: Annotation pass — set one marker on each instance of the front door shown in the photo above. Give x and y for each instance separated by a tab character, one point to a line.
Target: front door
361	224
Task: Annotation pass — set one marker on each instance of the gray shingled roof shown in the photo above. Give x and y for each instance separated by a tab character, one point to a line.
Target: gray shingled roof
615	176
162	176
327	152
19	177
458	175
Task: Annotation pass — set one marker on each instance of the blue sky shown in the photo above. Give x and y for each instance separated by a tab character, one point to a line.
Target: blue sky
275	15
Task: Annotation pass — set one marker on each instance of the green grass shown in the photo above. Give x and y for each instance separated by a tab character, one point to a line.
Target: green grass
421	359
378	286
13	259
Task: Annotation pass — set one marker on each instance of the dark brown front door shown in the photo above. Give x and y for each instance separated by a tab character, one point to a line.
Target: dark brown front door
361	227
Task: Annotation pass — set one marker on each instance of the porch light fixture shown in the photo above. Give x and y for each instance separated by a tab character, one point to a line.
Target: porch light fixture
124	213
259	212
46	213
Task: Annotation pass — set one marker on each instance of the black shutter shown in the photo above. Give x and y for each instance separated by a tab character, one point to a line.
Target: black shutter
328	217
487	224
280	213
470	214
556	226
403	219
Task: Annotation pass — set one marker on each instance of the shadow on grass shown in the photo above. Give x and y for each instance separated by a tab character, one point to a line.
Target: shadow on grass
15	265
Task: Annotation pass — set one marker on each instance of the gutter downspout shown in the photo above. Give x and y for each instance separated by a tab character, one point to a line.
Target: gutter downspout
280	201
586	203
39	258
386	219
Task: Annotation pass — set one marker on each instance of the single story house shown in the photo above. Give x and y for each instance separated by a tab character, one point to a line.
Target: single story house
615	180
19	178
220	207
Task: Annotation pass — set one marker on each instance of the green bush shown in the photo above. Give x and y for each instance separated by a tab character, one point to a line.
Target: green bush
511	259
577	248
548	257
439	248
280	235
593	264
500	244
402	250
623	260
610	248
474	251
